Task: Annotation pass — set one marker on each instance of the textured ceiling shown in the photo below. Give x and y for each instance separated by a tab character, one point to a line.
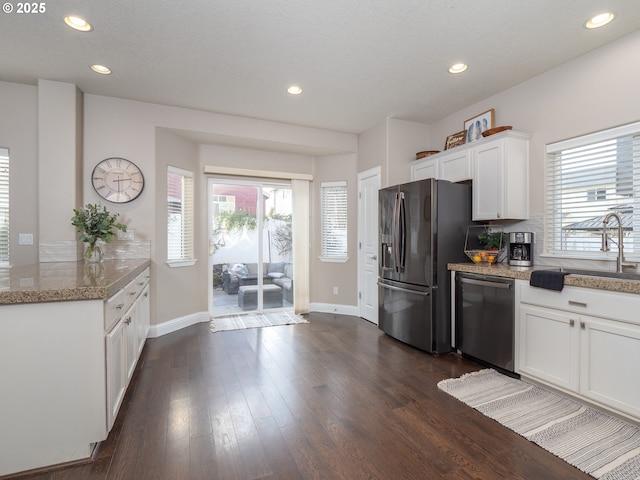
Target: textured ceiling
358	61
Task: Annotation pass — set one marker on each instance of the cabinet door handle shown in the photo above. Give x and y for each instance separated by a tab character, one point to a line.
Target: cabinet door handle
119	306
572	322
127	320
577	304
582	325
146	294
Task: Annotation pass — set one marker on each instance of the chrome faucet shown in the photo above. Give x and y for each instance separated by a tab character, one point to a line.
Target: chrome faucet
620	264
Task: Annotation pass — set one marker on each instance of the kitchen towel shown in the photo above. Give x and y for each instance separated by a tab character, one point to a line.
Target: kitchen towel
549	279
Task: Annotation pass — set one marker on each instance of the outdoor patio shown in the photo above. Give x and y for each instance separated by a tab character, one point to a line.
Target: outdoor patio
227	304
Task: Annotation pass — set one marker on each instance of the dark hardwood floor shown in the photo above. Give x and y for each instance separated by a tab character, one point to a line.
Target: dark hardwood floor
332	399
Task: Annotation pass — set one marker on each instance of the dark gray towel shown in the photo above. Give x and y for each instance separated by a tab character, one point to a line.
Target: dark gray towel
549	279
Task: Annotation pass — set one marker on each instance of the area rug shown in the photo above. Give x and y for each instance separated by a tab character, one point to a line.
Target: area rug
255	320
598	444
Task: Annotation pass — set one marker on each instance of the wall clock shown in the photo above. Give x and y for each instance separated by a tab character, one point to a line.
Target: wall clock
117	180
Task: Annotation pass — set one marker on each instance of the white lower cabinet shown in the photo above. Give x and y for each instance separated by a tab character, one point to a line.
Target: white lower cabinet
549	346
586	355
143	318
124	342
116	371
609	360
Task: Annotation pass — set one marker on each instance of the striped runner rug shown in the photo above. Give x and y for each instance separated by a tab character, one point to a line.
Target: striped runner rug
255	320
605	447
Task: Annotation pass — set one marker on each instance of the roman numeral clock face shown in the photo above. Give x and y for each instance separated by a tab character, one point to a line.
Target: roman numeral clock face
117	180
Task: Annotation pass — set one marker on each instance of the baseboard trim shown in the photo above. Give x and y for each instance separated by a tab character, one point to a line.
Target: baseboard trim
177	324
335	308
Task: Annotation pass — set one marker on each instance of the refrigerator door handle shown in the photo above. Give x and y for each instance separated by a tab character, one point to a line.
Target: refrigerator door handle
405	290
402	232
394	232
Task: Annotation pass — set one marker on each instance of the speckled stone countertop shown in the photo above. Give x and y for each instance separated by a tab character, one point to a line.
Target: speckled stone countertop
65	281
523	273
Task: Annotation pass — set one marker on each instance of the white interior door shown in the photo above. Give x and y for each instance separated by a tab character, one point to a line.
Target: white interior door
368	186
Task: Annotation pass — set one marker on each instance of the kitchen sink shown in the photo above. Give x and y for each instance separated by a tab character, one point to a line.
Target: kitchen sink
601	273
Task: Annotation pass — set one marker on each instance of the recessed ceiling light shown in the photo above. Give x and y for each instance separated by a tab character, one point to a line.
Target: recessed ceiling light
458	68
294	90
600	20
101	69
77	23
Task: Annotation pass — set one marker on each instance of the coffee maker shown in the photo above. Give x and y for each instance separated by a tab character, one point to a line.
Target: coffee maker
521	249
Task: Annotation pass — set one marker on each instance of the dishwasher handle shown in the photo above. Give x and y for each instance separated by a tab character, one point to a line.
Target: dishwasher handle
486	283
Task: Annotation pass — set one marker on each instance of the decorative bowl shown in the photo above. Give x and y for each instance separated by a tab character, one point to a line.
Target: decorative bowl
426	153
488	257
493	131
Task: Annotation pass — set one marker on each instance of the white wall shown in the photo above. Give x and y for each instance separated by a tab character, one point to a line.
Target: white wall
405	140
326	275
136	130
180	291
593	92
19	133
60	113
596	91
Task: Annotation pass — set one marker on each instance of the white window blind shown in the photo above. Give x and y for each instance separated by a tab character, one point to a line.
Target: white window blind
179	215
333	206
4	207
587	178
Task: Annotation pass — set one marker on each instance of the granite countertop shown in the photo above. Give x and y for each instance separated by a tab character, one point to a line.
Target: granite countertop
65	281
523	273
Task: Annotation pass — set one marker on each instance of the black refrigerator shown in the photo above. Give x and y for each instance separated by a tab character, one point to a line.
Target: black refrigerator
423	226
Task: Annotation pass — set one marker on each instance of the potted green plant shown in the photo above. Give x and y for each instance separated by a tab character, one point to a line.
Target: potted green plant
492	240
95	222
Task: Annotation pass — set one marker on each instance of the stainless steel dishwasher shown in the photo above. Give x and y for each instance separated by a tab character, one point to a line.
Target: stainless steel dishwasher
485	319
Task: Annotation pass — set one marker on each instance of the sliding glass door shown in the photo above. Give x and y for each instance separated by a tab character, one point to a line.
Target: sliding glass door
250	246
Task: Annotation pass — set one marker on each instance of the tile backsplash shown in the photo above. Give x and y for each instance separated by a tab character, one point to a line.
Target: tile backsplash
72	251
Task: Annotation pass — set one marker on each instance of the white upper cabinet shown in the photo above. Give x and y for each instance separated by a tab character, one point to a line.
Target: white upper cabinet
501	178
456	165
425	168
498	167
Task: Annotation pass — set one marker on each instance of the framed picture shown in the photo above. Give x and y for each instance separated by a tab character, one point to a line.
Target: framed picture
478	124
455	140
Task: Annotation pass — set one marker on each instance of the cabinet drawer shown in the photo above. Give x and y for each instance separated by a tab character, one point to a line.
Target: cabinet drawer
142	279
135	287
114	307
587	301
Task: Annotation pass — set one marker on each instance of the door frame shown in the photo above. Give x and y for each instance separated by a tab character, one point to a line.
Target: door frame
260	184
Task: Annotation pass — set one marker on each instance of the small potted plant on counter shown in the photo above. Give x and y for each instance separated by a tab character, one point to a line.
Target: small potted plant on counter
93	223
492	240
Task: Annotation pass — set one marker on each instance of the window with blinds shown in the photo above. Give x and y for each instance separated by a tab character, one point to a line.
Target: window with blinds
333	215
587	178
180	217
4	207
